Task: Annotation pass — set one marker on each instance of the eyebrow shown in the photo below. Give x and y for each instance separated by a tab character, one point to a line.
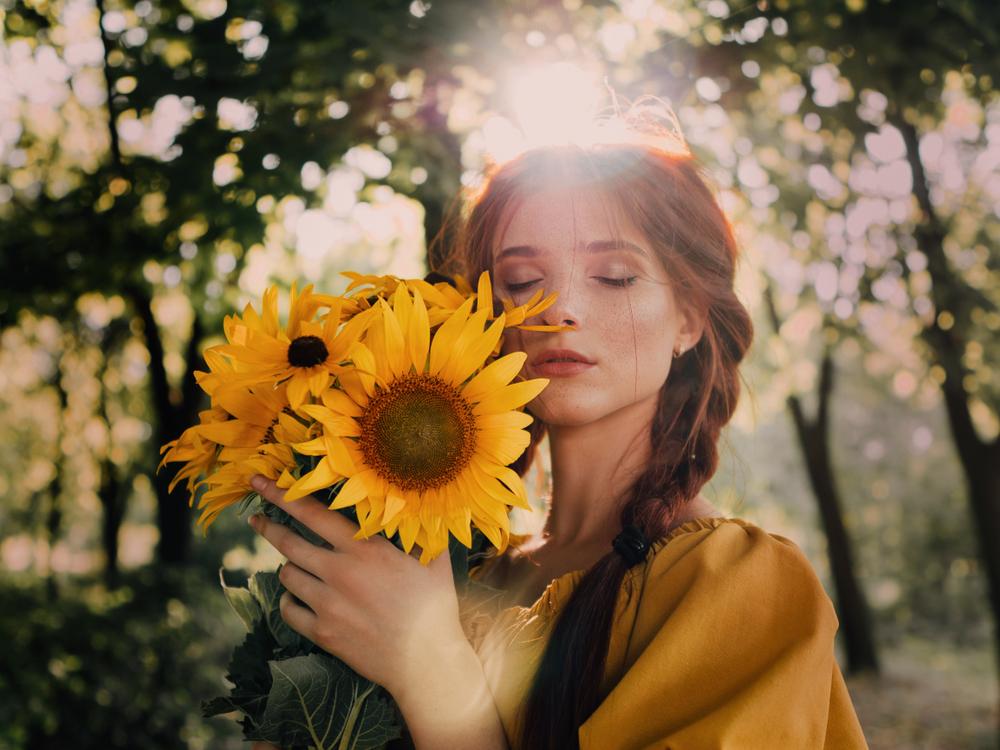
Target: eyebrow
600	246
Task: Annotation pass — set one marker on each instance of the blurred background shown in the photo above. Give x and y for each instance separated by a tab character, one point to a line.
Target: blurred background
162	162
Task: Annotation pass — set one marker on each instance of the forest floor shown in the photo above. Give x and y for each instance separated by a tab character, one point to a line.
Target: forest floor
929	697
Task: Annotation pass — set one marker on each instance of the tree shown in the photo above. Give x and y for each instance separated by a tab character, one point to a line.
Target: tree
895	204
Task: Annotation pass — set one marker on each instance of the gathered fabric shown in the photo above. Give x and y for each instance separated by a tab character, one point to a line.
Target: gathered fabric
723	640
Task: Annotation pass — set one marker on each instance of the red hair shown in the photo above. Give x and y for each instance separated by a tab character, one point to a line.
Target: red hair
657	189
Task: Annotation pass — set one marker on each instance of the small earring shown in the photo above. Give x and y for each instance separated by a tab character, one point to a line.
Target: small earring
678	351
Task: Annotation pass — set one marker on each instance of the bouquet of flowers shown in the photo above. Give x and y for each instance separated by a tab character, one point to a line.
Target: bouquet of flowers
391	403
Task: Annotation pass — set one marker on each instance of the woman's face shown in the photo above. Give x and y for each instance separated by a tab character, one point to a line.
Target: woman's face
612	289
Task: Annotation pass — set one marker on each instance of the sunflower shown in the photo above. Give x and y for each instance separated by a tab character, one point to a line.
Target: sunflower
198	453
257	440
424	440
306	354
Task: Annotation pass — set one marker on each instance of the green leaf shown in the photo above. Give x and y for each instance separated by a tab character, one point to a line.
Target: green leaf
242	603
267	589
319	701
250	675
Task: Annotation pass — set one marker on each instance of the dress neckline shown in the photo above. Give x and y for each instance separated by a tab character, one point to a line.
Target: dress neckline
558	591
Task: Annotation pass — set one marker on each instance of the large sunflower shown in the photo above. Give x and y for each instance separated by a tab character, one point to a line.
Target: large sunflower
423	441
306	354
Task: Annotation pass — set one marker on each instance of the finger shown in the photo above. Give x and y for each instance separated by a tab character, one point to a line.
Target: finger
288	542
307	587
300	619
335	527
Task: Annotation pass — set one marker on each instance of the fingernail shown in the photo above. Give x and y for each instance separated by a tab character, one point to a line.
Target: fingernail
258	482
254	520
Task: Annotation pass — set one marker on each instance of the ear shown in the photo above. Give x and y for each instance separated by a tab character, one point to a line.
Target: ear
691	325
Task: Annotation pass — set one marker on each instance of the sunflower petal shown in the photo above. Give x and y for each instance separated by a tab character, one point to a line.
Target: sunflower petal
477	350
409	526
458	357
317	479
418	335
511	420
394	505
510	397
298	390
341	403
444	340
484	294
355	490
494	376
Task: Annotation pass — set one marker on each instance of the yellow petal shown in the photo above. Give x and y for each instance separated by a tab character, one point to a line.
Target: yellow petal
341	403
479	347
418	335
319	478
319	382
340	458
355	490
235	434
511	420
494	376
315	447
446	336
510	397
514	483
458	360
394	504
408	528
485	293
298	390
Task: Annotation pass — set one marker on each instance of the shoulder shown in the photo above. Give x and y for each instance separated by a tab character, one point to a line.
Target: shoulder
724	639
732	571
733	549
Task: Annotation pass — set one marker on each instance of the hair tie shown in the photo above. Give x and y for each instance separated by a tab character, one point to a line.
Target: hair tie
632	545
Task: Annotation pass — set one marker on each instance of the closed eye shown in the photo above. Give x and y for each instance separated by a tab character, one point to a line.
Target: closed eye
619	283
521	286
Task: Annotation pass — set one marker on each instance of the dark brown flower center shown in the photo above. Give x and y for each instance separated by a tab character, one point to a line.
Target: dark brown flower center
307	351
419	434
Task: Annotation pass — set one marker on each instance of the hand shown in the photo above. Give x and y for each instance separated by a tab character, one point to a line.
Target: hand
393	620
366	601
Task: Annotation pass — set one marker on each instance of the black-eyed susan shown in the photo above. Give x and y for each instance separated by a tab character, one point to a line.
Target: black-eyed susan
305	354
422	432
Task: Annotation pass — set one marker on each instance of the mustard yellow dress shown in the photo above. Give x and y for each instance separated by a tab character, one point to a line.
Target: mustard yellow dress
726	643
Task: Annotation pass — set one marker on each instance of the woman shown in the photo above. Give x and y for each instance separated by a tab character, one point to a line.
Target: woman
639	617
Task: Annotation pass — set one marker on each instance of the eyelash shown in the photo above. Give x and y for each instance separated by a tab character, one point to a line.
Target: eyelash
616	283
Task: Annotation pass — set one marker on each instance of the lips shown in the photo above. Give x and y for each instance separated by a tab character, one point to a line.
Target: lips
560	363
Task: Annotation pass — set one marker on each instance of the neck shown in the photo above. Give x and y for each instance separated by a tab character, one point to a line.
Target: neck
593	469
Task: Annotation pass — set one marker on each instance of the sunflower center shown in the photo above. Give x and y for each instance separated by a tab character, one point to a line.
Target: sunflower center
307	351
419	434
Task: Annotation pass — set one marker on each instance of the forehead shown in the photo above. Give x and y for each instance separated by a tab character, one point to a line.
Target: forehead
566	218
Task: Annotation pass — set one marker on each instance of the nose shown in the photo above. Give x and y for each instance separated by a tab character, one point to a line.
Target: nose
562	312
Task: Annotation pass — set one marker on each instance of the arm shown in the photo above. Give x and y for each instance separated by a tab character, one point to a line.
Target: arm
393	620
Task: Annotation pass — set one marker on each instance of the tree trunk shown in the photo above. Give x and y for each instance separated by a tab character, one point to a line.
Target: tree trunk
173	512
114	510
813	435
980	459
855	623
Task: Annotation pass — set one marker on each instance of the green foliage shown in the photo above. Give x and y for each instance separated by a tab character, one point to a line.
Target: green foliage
291	692
125	668
333	708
